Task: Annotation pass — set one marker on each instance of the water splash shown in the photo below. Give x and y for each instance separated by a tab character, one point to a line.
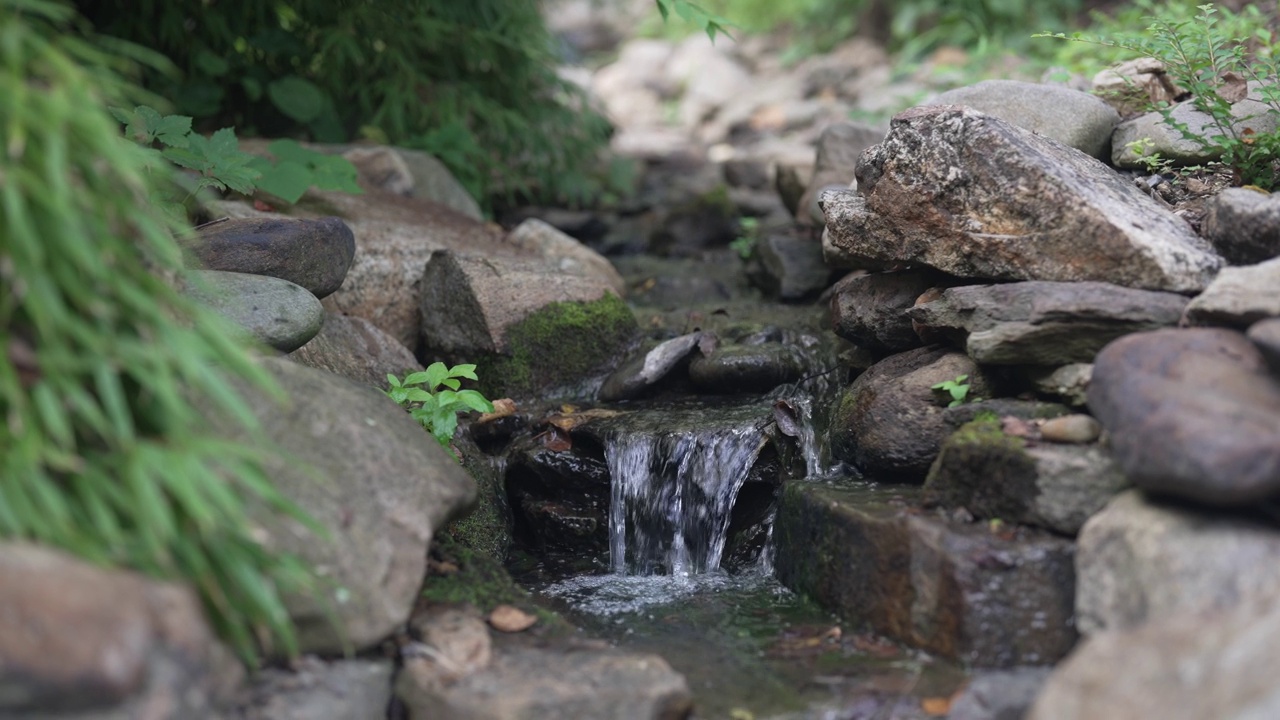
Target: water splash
672	495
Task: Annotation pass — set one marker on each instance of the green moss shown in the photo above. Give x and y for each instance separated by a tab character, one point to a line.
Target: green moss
487	528
482	581
559	347
983	470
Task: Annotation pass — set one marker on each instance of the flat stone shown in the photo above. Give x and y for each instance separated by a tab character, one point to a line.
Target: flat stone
313	253
1243	225
1239	296
1192	413
645	370
272	311
1074	118
890	422
789	267
735	369
1044	323
961	591
78	640
1139	561
995	475
1190	666
976	197
528	683
1171	142
356	349
871	310
313	689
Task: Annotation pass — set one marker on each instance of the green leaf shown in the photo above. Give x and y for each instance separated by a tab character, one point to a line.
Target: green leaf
287	180
436	374
297	98
475	401
174	131
417	378
465	370
334	172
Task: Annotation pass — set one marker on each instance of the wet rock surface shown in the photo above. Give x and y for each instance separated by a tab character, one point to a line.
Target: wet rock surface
988	598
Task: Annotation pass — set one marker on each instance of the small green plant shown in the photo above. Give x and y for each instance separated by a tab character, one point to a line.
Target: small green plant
219	162
709	22
433	399
957	390
1215	68
1153	161
748	237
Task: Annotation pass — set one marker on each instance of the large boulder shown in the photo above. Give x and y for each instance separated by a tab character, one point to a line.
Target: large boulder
529	326
1074	118
377	482
356	349
1192	413
1188	666
974	196
313	253
1044	323
1140	561
890	422
80	641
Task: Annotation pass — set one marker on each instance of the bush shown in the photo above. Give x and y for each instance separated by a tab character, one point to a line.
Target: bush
107	370
471	82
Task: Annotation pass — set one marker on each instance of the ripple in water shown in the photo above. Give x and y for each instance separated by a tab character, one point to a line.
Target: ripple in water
615	594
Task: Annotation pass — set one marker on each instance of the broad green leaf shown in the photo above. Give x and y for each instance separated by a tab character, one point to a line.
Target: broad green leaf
286	180
436	374
418	395
475	401
297	98
465	370
334	172
417	378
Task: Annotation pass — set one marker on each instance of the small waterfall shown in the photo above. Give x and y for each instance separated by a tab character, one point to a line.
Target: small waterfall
672	496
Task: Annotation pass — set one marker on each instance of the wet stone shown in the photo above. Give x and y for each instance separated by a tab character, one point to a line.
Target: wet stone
744	369
969	592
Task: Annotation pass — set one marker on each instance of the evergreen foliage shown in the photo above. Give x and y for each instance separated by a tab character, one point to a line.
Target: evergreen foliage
105	369
471	82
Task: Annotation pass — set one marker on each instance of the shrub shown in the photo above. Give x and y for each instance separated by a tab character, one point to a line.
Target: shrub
107	370
1214	67
472	82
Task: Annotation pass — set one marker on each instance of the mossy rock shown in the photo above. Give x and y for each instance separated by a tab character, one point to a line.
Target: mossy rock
478	579
984	470
561	349
486	528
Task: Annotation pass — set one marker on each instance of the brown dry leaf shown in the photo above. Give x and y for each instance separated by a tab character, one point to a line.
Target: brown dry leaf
935	706
787	418
568	409
501	408
572	420
511	619
1233	87
555	440
442	567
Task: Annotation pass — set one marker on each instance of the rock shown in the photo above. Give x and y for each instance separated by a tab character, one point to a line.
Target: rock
975	197
699	223
1068	383
565	253
890	422
789	267
529	327
839	147
431	180
960	591
1074	118
314	689
1182	144
395	238
871	310
995	475
77	640
667	283
645	371
1266	335
710	78
275	312
454	641
1139	561
529	683
1135	85
999	695
1191	413
1185	667
315	254
1044	323
356	349
373	478
1239	296
736	369
1243	225
1078	429
627	86
790	188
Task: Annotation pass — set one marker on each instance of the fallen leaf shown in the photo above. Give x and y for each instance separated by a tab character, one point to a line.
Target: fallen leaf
554	440
936	706
501	408
261	206
511	619
788	419
568	422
